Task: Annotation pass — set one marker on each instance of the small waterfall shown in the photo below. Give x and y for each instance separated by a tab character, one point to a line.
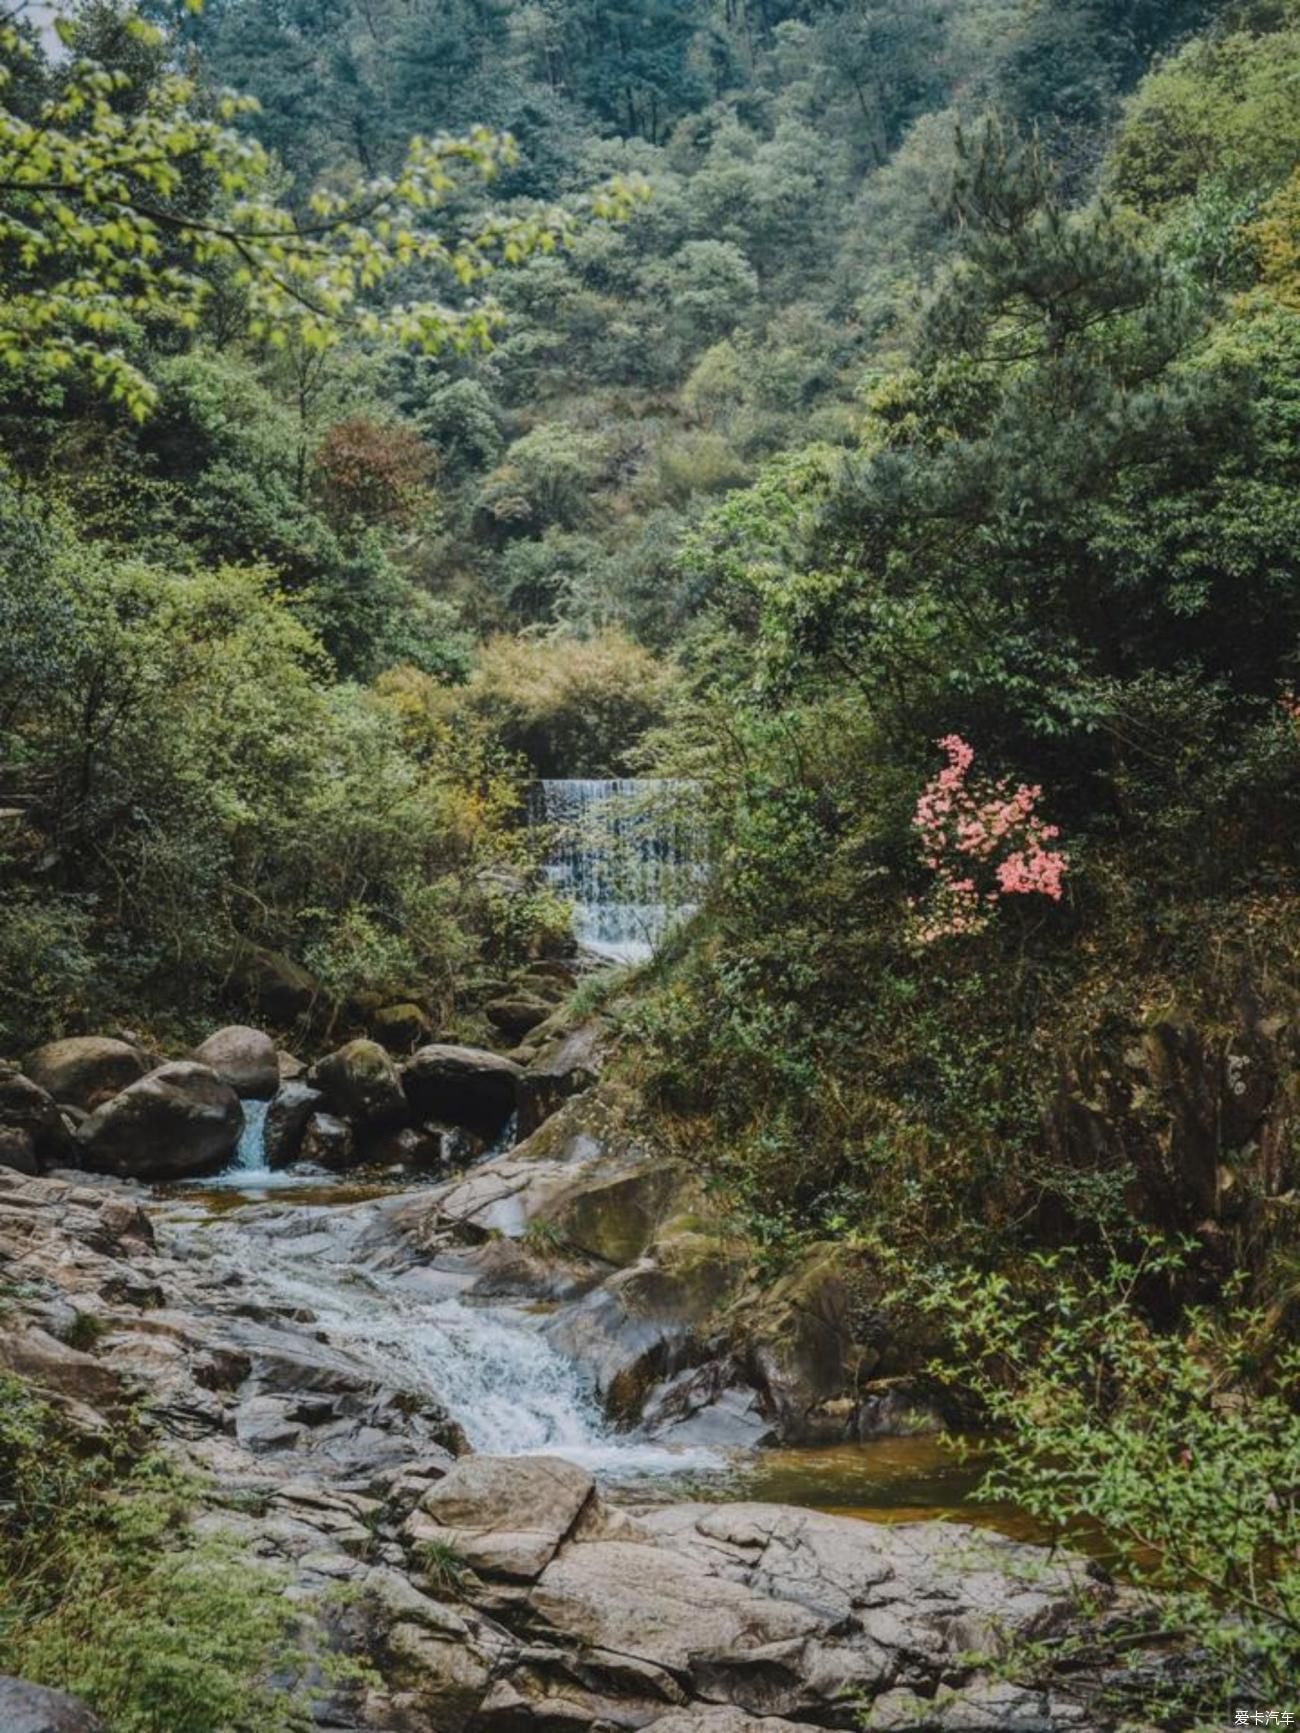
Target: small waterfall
627	854
250	1152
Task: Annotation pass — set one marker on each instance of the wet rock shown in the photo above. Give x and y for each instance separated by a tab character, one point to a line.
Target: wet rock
361	1084
407	1146
502	1516
328	1141
708	1405
28	1708
563	1067
179	1120
587	1152
84	1070
244	1058
33	1132
401	1028
461	1086
624	1335
291	1107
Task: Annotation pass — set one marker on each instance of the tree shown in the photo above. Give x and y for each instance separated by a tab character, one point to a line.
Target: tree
123	189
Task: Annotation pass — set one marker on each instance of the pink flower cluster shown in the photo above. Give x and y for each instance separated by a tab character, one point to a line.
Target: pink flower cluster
982	840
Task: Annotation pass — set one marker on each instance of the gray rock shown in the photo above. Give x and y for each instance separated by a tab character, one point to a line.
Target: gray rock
291	1107
85	1069
28	1708
33	1133
361	1084
461	1086
179	1120
328	1141
515	1014
244	1058
503	1516
401	1027
565	1066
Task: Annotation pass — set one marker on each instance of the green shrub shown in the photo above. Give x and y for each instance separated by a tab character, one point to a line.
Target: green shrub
570	706
1178	1446
106	1591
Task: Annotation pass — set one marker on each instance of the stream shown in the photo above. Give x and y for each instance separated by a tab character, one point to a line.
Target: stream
293	1239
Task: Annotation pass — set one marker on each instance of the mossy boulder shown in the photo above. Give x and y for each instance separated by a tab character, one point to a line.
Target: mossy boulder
802	1343
84	1070
361	1084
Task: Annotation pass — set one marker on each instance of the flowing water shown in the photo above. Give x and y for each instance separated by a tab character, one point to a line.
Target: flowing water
298	1240
491	1367
628	855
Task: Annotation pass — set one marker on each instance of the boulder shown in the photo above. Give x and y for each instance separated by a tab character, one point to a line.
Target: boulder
28	1708
361	1084
400	1028
179	1120
563	1067
283	990
516	1013
503	1516
708	1405
462	1086
328	1141
290	1067
586	1179
84	1070
33	1132
18	1149
636	1328
407	1146
803	1351
291	1107
244	1058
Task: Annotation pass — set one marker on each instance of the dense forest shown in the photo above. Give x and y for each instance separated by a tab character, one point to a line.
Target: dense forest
880	419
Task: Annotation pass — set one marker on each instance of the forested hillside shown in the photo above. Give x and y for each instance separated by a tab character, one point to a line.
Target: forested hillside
881	419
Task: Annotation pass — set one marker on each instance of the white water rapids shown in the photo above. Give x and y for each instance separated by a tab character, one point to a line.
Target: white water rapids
488	1365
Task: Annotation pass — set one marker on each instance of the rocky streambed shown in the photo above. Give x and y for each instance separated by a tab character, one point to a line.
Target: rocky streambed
378	1401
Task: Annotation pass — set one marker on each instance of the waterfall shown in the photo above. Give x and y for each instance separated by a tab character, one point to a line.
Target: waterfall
628	856
250	1152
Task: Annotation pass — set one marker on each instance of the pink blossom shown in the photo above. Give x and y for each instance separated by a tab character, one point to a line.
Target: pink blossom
962	824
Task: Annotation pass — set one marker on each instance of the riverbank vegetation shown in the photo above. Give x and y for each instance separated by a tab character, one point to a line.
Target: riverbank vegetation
905	452
107	1592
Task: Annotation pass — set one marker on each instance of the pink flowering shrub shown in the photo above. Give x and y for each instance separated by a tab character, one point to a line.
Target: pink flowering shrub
983	841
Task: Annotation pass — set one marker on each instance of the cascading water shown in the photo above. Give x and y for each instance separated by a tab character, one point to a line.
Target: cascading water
250	1153
489	1366
626	853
